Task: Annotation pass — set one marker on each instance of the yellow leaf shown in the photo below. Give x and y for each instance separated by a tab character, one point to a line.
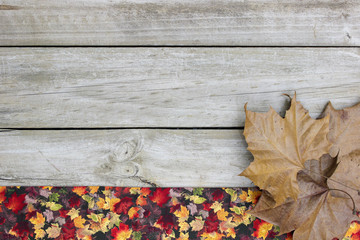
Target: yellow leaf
107	203
225	225
133	211
93	189
184	226
84	233
253	196
53	231
212	236
79	190
222	214
182	214
243	196
38	221
39	233
197	224
73	213
287	143
135	190
96	217
113	201
263	230
183	236
353	229
79	222
216	206
231	233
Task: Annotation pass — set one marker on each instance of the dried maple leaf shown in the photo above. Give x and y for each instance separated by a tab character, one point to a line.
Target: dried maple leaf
345	135
344	130
281	146
315	215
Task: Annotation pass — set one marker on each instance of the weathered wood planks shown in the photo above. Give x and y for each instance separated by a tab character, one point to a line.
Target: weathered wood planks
179	22
176	158
167	87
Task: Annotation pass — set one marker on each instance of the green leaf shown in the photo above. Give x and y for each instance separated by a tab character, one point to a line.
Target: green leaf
197	199
54	197
53	206
89	200
232	193
238	210
96	217
136	235
63	191
198	191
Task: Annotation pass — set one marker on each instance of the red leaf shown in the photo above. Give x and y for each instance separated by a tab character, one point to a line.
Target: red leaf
2	195
218	195
2	220
123	206
68	230
30	215
63	213
122	232
15	202
160	196
207	206
174	208
211	223
121	191
166	222
22	229
74	201
137	226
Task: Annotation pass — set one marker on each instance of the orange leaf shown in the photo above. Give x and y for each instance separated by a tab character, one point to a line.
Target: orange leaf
93	189
79	190
222	214
38	221
79	222
15	202
182	214
133	212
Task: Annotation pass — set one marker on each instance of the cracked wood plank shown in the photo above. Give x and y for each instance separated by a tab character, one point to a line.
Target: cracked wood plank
179	22
162	158
168	87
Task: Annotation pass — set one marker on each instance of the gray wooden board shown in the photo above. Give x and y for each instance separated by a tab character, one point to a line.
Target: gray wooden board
168	87
180	22
165	158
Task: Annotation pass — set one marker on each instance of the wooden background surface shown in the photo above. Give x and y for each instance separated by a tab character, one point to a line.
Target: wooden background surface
151	93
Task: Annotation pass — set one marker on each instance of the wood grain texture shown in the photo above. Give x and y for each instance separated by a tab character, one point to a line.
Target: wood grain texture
180	22
165	158
168	87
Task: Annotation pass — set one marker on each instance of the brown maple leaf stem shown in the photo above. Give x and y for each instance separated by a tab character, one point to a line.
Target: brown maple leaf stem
334	189
328	178
353	202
